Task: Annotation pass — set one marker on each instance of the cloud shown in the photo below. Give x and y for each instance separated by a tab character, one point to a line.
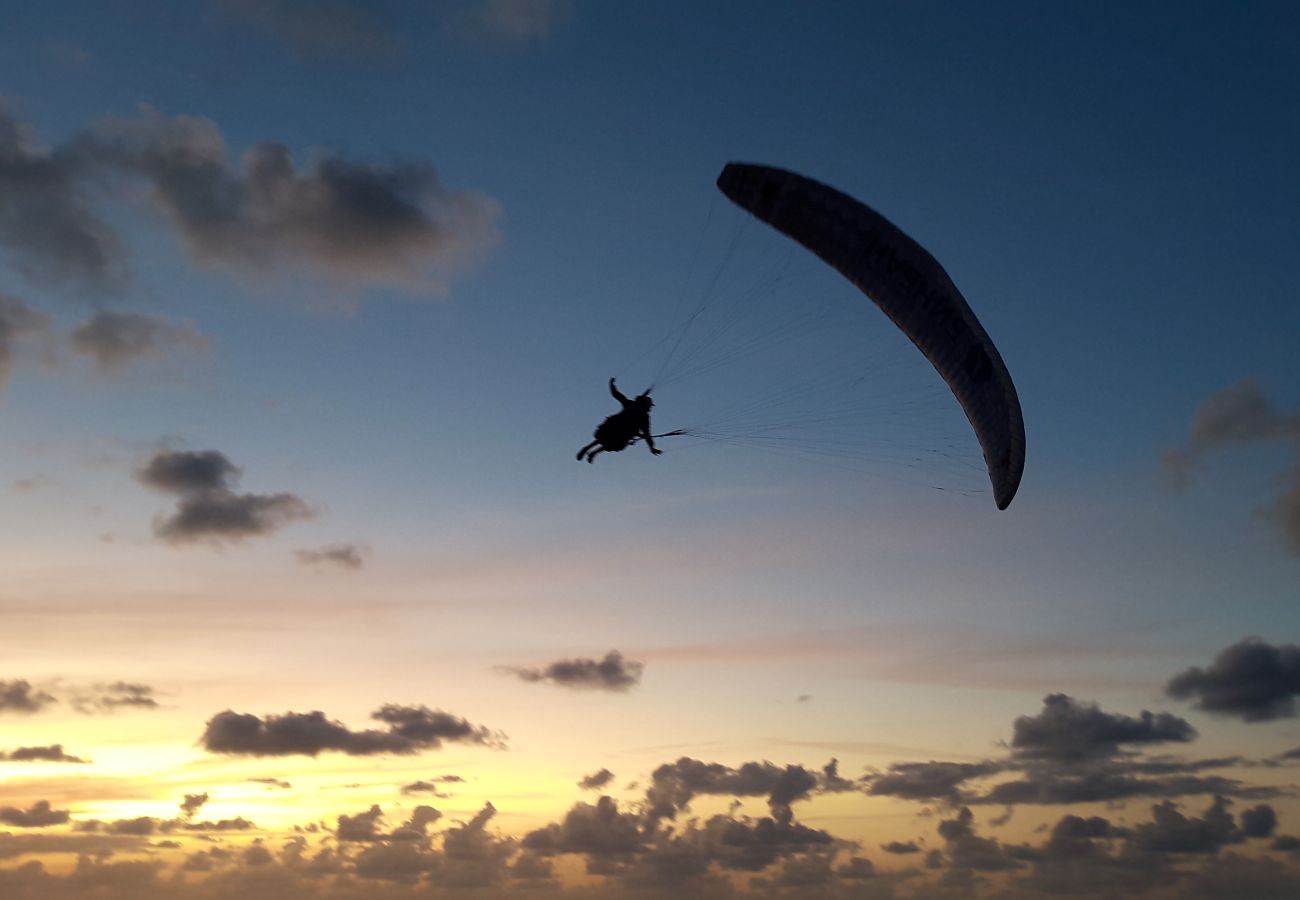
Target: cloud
116	340
192	804
1251	680
1240	414
1172	832
189	472
208	508
674	785
1072	752
411	729
596	780
931	780
45	226
19	696
1067	730
344	556
331	218
49	753
272	783
18	321
613	673
109	698
336	28
900	848
599	830
39	815
334	219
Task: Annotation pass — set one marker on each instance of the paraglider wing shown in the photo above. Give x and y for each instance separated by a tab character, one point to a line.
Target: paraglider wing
910	286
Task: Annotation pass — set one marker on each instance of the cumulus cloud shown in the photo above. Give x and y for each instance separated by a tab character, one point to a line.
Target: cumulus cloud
336	219
613	673
192	804
411	729
394	224
596	780
674	785
343	556
209	509
46	228
337	28
1251	680
48	753
39	815
1072	752
931	780
114	340
20	697
1067	730
1240	414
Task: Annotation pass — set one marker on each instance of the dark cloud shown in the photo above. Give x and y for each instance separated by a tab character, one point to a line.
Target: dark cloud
116	340
1250	680
674	785
38	815
1110	782
347	28
192	804
344	556
613	673
46	229
1170	831
599	830
1259	821
929	780
208	508
19	696
1067	730
50	753
430	785
334	218
964	850
900	848
272	783
337	219
109	698
187	472
17	321
411	729
1240	414
230	517
596	780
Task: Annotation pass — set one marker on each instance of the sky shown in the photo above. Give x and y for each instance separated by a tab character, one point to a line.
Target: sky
305	308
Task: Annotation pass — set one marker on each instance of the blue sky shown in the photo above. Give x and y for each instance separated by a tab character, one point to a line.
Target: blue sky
1112	186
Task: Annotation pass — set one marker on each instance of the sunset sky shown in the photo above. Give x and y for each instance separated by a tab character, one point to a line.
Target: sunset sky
305	308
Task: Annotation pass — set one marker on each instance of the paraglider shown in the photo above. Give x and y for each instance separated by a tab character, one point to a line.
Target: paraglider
623	428
910	287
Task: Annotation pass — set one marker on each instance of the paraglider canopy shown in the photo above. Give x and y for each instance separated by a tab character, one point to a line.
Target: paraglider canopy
910	287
